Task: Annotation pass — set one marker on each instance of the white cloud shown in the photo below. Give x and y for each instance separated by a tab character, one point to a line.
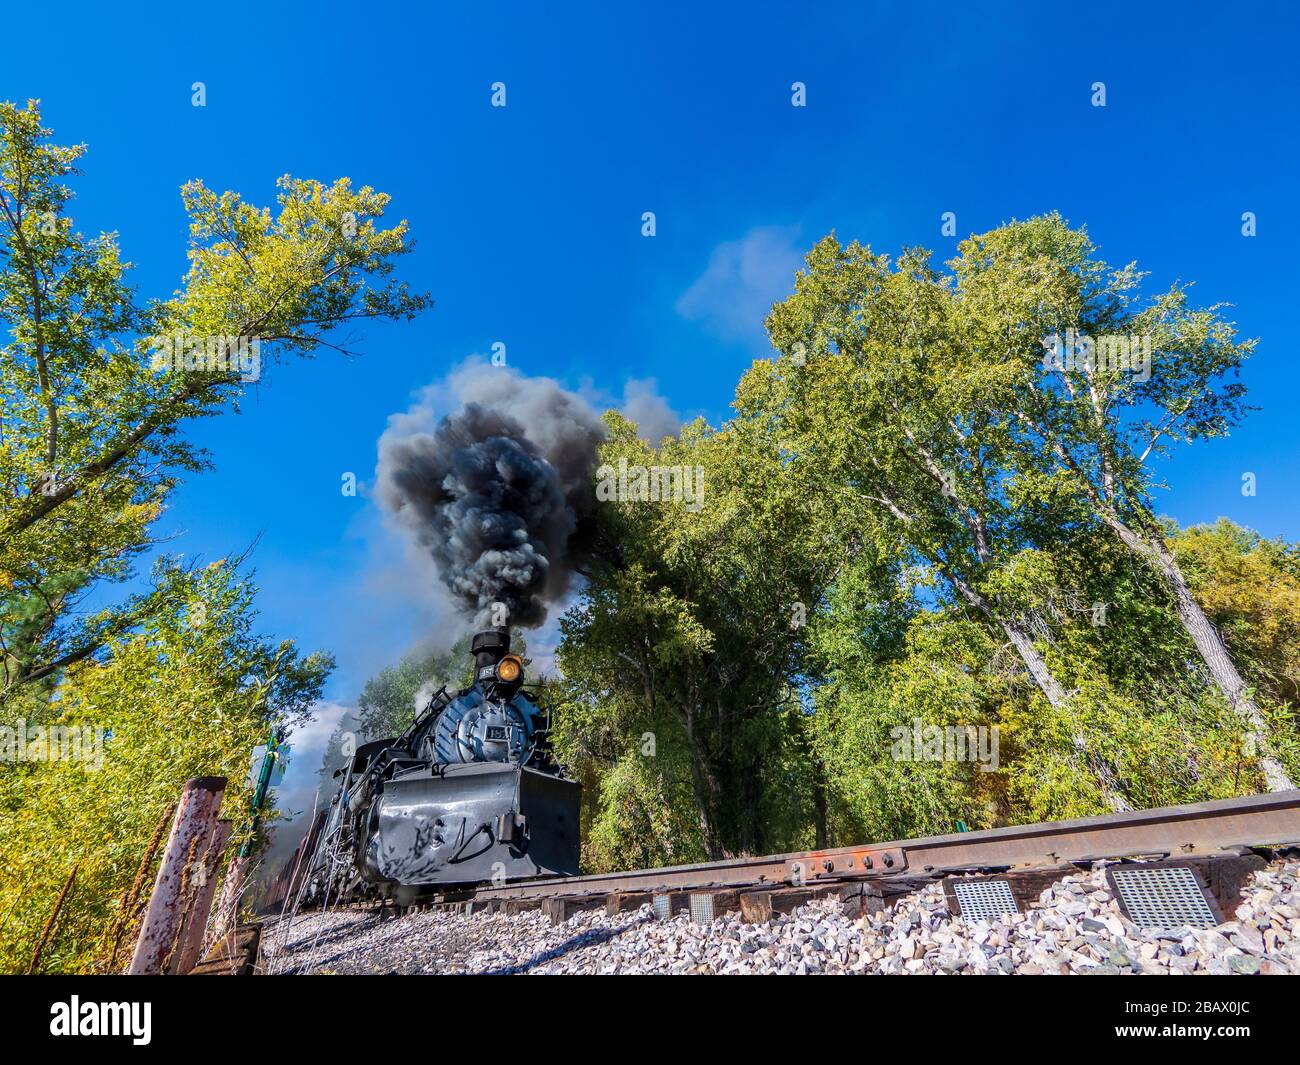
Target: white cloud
314	734
743	279
296	794
643	405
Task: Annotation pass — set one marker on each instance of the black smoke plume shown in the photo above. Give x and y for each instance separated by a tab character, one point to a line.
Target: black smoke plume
499	493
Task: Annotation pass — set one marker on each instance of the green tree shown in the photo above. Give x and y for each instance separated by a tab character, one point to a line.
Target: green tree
92	415
187	694
680	706
886	666
1249	588
1149	373
886	653
876	405
948	575
96	389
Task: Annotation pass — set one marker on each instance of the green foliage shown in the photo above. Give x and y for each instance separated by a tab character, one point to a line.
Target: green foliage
1171	738
1250	588
91	447
684	641
187	695
970	537
907	523
92	443
883	663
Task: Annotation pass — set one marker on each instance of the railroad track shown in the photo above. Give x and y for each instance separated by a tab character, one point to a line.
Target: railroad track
1220	842
1208	849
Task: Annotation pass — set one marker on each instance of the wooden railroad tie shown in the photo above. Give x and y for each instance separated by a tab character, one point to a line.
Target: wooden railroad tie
235	954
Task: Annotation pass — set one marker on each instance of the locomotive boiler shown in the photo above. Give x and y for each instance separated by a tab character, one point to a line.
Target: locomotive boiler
470	792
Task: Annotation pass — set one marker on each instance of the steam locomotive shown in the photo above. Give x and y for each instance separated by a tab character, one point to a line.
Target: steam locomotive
469	793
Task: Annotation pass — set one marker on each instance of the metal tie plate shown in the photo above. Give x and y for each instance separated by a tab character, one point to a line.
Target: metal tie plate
1166	897
985	899
702	909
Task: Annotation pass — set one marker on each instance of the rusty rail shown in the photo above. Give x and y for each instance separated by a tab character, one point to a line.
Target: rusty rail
1271	820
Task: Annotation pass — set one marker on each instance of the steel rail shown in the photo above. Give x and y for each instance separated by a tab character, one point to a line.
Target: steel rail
1271	820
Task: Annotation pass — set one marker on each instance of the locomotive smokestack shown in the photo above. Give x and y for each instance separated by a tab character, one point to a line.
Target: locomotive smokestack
488	648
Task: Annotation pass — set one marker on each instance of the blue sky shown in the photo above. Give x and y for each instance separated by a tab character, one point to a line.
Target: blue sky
528	218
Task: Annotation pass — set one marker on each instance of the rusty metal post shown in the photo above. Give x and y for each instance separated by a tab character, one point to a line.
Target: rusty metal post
232	889
196	815
196	921
226	918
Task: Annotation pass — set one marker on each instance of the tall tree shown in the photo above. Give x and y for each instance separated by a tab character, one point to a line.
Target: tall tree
1098	381
875	404
96	386
681	663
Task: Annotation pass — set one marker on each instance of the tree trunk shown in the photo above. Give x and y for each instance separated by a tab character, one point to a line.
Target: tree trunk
1056	695
819	804
1034	662
1050	687
702	791
1212	649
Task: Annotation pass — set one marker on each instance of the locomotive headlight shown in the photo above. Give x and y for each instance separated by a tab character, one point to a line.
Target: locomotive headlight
510	669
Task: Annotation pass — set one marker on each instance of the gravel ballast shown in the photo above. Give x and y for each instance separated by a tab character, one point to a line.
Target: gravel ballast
1075	927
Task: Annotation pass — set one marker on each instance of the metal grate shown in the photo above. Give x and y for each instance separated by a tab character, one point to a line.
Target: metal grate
702	909
1168	897
985	899
663	907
